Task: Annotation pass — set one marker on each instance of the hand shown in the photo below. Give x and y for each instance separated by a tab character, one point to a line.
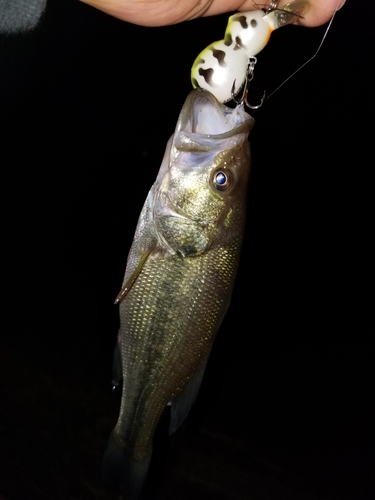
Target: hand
164	12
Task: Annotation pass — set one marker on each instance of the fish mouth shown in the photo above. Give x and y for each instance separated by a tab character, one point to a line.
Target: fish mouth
205	124
288	14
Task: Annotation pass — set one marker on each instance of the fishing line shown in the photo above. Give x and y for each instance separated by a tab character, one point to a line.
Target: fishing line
311	58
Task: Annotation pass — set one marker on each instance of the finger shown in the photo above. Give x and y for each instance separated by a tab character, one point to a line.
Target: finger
164	12
152	12
319	12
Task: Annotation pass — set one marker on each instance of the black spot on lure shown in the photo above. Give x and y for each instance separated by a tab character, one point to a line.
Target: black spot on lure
247	33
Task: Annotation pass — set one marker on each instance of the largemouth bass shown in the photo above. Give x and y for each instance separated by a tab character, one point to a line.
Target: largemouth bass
179	278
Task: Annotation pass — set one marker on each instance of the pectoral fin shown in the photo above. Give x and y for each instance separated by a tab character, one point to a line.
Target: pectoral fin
185	236
130	282
182	404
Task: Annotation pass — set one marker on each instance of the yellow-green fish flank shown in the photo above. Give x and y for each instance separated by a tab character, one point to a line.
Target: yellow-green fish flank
179	278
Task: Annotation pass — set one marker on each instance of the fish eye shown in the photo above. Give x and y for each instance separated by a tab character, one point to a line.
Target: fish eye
222	179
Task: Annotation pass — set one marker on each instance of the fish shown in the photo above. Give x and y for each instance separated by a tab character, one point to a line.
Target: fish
179	279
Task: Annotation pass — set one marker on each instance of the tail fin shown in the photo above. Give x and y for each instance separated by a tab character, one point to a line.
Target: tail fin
121	468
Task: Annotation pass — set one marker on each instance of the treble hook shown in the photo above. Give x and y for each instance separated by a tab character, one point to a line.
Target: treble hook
249	77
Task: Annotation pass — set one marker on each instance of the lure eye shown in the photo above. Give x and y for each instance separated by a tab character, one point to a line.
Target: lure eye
222	180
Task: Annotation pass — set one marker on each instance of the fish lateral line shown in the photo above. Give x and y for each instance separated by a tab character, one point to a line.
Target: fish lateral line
132	279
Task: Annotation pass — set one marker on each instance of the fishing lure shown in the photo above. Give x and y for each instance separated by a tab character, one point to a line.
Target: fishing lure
226	66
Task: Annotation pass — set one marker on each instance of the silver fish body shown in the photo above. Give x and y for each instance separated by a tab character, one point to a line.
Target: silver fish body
179	277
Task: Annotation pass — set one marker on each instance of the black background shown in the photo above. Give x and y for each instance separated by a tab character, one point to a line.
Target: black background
286	409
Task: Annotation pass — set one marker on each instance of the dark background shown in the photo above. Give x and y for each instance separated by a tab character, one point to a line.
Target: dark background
286	410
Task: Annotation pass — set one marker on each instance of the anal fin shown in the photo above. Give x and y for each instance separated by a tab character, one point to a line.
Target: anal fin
182	404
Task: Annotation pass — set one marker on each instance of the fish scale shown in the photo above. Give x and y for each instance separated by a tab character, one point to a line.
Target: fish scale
160	344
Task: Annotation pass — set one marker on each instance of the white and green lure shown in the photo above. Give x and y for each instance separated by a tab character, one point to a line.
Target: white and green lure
226	66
